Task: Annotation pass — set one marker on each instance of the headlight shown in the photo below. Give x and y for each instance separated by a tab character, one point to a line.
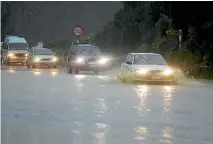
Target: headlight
168	72
80	60
103	60
36	59
54	59
142	71
10	54
26	55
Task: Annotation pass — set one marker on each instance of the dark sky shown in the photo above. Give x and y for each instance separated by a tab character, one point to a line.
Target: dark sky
53	21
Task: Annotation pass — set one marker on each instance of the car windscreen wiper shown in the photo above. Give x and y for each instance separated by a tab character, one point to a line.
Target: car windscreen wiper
146	60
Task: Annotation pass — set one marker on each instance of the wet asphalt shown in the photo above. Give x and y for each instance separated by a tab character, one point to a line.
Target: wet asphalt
49	106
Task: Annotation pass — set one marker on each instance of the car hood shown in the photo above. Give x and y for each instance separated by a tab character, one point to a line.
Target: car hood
18	51
44	56
151	67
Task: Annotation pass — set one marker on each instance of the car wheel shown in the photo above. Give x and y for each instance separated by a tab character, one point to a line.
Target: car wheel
122	78
69	69
96	72
28	66
54	66
76	70
23	64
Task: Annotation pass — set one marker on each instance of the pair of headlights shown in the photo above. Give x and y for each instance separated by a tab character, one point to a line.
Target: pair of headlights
101	61
11	55
38	59
145	71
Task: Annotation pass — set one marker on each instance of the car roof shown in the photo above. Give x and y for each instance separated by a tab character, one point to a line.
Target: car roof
15	39
144	53
38	48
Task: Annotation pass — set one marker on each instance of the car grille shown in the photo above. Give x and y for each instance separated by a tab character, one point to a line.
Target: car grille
46	59
92	59
20	55
156	71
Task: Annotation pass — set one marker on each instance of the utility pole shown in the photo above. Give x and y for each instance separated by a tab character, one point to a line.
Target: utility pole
180	39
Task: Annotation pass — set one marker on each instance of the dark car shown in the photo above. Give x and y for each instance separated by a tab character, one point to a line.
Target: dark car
87	57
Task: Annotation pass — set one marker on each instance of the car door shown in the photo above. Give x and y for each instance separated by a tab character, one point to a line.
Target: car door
71	53
126	66
4	50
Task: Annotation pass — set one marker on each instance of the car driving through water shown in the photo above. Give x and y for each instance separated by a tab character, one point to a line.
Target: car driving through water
87	57
146	67
14	50
41	57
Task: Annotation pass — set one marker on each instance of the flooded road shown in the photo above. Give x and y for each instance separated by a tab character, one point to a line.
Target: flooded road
53	107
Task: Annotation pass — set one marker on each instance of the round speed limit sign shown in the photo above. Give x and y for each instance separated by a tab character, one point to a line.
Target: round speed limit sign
78	31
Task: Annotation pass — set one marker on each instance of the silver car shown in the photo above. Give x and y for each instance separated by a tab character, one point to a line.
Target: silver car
41	57
14	50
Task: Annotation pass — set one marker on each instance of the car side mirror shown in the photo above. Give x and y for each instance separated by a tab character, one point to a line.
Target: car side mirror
130	63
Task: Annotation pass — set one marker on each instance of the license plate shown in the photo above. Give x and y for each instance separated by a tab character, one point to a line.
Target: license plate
155	77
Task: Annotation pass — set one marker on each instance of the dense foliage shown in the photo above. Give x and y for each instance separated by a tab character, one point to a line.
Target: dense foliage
142	27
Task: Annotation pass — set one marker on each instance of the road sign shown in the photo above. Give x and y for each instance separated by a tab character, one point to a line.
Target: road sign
174	32
78	31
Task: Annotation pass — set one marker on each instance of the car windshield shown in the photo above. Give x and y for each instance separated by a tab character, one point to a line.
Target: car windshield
43	52
146	59
89	51
18	46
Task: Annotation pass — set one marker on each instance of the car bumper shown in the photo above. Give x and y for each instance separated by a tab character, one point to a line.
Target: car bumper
91	67
152	79
44	64
17	59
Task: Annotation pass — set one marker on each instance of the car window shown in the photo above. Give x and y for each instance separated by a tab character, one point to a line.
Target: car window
126	58
71	49
149	59
139	60
43	52
18	46
129	58
5	46
89	50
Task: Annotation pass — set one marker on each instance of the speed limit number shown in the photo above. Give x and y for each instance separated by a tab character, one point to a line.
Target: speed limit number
78	31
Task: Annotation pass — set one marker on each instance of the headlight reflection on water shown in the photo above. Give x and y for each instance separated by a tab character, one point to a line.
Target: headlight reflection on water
166	94
100	133
37	73
166	135
80	77
53	73
142	133
142	92
11	70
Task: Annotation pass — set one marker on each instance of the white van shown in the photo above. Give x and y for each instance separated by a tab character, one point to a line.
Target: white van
15	50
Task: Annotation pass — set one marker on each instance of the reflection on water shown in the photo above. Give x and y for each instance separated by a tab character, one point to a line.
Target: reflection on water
142	133
100	133
11	70
103	77
166	136
77	133
37	73
79	77
142	92
166	94
100	107
53	73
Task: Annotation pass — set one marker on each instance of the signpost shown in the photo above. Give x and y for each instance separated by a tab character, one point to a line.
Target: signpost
77	32
176	33
40	44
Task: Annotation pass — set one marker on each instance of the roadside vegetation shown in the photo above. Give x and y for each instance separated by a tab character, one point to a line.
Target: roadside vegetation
142	26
